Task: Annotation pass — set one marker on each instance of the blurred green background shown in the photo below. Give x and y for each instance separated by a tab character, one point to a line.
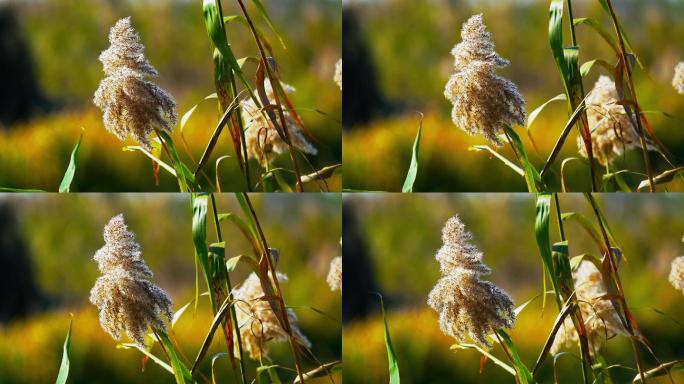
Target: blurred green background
62	233
399	235
411	62
64	39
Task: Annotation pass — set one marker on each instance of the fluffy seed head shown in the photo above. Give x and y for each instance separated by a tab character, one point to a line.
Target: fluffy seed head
677	273
483	103
126	300
467	306
263	141
257	322
131	105
678	79
600	318
338	73
612	130
334	278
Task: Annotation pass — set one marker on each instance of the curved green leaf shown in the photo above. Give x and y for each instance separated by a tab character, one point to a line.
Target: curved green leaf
413	168
65	185
64	367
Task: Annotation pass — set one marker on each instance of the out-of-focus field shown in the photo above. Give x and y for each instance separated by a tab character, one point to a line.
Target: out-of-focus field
413	64
65	39
649	230
63	233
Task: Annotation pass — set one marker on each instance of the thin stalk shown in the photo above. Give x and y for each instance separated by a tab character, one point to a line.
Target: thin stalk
233	315
576	315
243	141
616	278
632	89
279	294
236	119
572	24
503	346
559	217
272	78
583	116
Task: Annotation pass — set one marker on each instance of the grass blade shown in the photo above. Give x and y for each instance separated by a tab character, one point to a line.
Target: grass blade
64	367
413	168
532	177
499	156
522	372
595	25
266	374
268	20
147	353
220	314
323	370
484	352
65	185
186	116
663	178
199	237
394	377
179	370
661	370
542	234
534	114
186	180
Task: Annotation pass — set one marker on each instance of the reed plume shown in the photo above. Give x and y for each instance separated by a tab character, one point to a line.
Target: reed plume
126	300
257	323
677	273
467	306
600	318
483	103
678	79
132	105
612	130
334	278
338	73
263	141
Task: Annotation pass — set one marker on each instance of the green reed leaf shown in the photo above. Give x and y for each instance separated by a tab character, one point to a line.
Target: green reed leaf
413	168
199	238
499	156
542	235
522	372
185	177
321	371
64	367
532	177
65	185
600	29
556	41
268	20
188	114
266	374
394	377
179	370
532	117
663	178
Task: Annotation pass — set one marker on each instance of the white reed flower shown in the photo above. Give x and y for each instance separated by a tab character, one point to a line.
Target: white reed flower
483	103
263	141
257	323
334	278
677	273
612	131
126	300
338	73
467	306
678	79
130	104
601	321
